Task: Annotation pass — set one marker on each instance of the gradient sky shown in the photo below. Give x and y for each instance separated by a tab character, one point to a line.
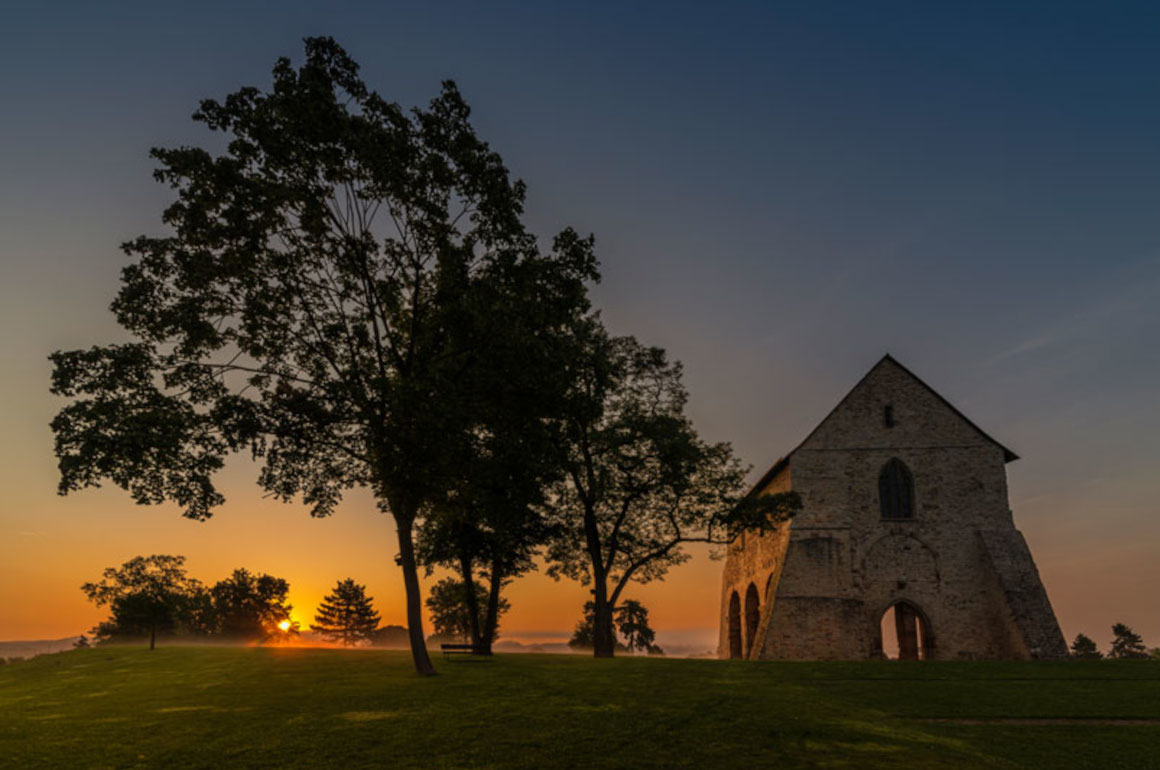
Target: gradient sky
781	192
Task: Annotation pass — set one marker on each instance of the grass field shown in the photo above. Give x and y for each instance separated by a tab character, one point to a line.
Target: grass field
312	708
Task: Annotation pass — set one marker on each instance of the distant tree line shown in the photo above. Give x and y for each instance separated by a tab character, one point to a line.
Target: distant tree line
152	596
1126	645
348	293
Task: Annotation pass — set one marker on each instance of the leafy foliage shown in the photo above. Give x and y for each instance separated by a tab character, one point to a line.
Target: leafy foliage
584	635
390	636
1084	648
640	482
152	595
450	611
250	606
147	595
1126	644
632	622
333	290
346	615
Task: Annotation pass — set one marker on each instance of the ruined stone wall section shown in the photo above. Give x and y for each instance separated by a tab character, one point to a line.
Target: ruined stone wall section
1023	594
815	628
754	558
842	565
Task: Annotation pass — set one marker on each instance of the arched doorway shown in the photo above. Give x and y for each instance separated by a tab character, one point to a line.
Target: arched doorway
734	626
752	616
904	633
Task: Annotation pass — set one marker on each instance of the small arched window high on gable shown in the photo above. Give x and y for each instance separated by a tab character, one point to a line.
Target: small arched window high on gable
896	490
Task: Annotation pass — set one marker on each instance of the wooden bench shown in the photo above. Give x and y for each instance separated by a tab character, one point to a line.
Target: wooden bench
461	649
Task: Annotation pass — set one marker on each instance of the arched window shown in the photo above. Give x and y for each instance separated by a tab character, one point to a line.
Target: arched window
896	491
752	616
734	626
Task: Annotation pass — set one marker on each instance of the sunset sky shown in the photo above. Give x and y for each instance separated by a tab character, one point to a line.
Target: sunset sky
780	192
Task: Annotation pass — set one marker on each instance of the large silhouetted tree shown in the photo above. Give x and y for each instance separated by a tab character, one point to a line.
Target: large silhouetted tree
146	595
488	524
327	301
346	614
640	482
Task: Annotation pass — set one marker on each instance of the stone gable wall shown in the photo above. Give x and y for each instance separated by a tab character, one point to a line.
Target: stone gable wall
839	565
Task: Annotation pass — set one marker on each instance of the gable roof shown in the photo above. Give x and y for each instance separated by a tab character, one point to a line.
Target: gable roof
783	462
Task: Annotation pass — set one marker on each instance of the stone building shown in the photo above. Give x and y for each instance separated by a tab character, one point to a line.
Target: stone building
904	518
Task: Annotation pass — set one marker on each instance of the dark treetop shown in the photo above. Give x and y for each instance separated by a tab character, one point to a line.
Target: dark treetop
640	482
325	302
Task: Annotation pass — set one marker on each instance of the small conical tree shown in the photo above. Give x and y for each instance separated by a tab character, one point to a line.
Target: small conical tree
81	642
632	623
1126	644
1084	648
346	615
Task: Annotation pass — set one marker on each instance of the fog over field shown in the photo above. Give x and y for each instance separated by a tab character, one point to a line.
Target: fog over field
30	649
556	643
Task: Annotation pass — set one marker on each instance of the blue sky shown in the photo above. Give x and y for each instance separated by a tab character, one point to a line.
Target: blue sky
781	192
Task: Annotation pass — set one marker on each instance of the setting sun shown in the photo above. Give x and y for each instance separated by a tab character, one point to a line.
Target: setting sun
284	625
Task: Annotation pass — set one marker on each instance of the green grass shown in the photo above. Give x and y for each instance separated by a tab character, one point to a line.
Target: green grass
225	708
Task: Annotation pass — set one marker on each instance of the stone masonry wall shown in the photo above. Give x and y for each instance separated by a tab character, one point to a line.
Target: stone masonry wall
756	558
839	566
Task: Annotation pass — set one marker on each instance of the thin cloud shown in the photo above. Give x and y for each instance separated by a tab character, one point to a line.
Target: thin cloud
1133	300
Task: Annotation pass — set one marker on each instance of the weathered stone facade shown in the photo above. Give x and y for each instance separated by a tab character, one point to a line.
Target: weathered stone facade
931	537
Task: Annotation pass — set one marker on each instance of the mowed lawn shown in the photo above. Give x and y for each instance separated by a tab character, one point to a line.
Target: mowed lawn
312	708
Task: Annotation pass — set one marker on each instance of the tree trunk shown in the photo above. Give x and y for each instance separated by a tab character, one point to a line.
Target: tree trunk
152	635
603	640
491	620
603	636
466	571
404	524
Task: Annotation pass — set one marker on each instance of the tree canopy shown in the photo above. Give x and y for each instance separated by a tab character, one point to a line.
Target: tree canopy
152	595
331	299
640	482
252	606
1084	648
632	622
1126	644
346	615
584	634
147	595
451	611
